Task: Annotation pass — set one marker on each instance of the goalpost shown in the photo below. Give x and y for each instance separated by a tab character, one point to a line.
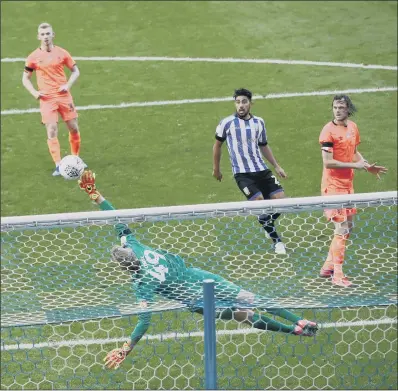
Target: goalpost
65	304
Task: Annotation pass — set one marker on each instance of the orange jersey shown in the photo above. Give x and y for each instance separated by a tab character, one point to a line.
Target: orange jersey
49	67
342	142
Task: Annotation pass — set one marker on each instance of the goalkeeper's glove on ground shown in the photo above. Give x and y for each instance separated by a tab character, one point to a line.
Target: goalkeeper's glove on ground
115	357
87	183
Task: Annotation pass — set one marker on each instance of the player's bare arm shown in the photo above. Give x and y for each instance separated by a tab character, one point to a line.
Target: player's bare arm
73	77
216	160
371	168
375	170
267	153
27	83
330	162
358	156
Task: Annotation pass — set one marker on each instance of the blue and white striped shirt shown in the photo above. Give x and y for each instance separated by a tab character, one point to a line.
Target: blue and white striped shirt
243	140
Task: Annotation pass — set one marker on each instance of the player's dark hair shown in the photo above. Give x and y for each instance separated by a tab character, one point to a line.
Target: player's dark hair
351	108
243	92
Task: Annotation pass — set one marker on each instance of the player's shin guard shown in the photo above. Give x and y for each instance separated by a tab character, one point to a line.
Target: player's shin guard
74	141
267	221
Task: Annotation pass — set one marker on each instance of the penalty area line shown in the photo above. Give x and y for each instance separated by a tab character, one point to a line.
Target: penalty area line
225	60
171	336
283	95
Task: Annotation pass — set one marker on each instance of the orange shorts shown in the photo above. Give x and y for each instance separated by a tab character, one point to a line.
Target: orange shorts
338	215
51	106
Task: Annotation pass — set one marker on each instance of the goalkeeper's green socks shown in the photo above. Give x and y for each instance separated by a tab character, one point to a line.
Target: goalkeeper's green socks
264	323
285	314
260	322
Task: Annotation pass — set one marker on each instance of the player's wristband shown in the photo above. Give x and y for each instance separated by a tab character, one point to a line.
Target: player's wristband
126	348
124	231
94	195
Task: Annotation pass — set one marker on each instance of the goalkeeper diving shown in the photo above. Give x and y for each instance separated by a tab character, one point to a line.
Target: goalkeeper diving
158	272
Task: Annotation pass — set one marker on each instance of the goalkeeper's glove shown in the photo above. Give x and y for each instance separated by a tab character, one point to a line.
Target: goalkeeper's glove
87	183
115	357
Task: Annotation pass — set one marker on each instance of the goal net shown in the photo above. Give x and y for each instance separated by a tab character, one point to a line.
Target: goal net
65	304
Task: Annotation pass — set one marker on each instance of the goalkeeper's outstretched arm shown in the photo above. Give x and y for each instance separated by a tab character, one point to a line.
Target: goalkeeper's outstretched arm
87	183
114	358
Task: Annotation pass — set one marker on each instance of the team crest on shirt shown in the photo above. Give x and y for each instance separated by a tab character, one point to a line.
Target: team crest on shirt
349	134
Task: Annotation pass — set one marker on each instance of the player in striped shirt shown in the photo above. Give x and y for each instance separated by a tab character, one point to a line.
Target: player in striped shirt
246	138
49	61
158	272
339	141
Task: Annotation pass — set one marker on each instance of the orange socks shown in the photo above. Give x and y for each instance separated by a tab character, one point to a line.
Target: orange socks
55	149
74	141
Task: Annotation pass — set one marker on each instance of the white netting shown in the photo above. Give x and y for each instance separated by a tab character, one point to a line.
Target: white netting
65	304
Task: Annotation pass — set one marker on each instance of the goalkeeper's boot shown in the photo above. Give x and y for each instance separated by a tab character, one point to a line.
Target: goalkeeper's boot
297	330
304	333
56	171
326	273
309	328
344	282
280	248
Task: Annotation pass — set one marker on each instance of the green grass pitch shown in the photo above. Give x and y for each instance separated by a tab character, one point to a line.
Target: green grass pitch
162	155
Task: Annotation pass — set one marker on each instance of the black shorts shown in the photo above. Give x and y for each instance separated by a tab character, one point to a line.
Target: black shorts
252	184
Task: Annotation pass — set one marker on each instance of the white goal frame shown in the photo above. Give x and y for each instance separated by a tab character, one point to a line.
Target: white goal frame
213	209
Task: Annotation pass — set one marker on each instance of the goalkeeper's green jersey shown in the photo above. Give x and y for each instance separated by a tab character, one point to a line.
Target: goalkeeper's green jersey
167	275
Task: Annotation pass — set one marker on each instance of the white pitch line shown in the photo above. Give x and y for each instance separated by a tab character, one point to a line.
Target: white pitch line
168	336
228	60
209	100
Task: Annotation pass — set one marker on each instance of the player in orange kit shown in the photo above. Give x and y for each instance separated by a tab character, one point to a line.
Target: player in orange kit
339	141
48	61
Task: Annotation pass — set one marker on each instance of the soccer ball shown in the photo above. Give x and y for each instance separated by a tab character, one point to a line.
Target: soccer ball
71	167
